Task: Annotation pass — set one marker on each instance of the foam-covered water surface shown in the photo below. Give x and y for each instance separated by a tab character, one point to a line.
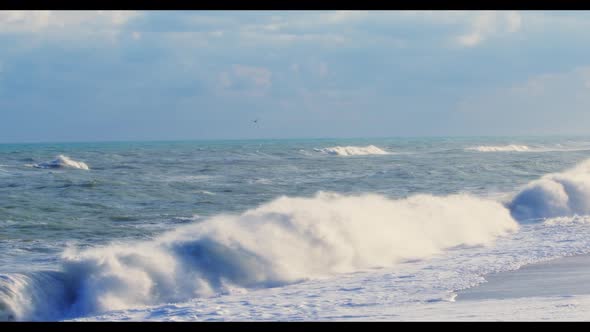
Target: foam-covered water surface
504	148
373	225
352	150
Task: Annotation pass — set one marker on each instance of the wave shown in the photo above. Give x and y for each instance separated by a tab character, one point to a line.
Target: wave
353	150
62	161
259	181
287	240
284	241
500	148
560	194
34	296
189	178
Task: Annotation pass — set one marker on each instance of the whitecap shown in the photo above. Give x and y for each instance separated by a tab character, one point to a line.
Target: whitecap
353	150
62	161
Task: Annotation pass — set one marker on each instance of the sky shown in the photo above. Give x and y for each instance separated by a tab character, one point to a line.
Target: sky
176	75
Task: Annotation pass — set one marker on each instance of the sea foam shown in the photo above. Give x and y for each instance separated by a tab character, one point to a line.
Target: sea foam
501	148
353	150
62	161
284	241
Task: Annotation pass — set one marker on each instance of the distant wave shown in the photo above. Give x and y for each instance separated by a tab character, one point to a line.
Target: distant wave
500	148
525	148
353	150
62	161
280	242
189	178
259	181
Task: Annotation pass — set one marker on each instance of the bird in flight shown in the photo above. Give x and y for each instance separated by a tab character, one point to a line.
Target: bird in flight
255	121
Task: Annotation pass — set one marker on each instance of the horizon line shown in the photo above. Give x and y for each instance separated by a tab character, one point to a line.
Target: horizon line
282	139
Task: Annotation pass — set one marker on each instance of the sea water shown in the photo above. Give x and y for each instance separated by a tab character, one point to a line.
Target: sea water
279	229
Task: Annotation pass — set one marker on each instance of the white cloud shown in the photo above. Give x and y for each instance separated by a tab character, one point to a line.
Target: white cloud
339	27
330	29
514	21
487	24
344	16
256	35
117	17
16	21
470	39
21	20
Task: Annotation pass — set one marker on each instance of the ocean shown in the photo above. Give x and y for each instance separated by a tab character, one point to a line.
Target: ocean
309	229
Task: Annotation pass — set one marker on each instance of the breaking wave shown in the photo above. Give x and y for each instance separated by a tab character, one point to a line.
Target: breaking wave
287	240
560	194
62	161
284	241
500	148
353	150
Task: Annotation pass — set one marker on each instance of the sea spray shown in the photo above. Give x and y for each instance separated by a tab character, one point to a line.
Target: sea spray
284	241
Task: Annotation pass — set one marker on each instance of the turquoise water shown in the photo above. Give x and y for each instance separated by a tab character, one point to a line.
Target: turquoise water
138	190
135	190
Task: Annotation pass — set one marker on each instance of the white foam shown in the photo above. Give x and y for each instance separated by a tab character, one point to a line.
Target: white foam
406	290
567	220
500	148
281	242
295	239
62	161
353	150
306	238
37	296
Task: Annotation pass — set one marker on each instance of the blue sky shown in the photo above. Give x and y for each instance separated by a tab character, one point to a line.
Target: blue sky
160	75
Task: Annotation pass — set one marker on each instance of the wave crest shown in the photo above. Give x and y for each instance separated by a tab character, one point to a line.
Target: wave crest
62	161
500	148
555	195
353	150
283	241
